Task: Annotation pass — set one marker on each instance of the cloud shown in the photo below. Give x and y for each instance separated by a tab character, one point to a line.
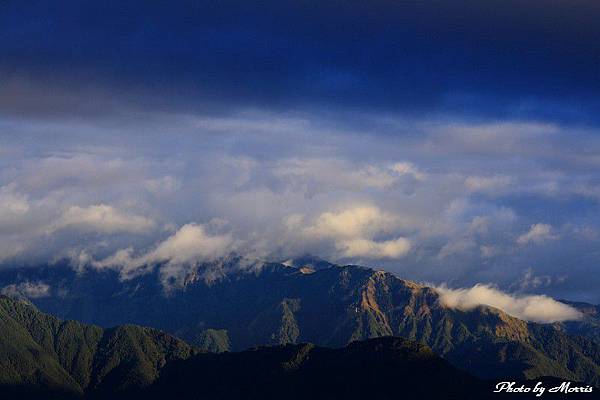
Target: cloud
370	249
355	188
537	233
191	243
456	246
163	185
487	184
532	308
177	255
318	175
12	203
407	168
353	231
531	280
363	220
30	290
102	218
488	251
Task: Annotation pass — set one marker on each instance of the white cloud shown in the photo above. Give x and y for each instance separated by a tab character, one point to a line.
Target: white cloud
364	220
353	231
530	308
179	254
190	244
102	218
537	233
370	249
30	290
424	175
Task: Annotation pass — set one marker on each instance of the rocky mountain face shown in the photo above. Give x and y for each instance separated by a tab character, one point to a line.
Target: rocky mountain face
320	303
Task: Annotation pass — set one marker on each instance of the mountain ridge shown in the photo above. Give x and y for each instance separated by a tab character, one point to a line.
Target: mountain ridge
332	306
40	350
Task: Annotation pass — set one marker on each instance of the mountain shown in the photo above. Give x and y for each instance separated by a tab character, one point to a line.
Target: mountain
43	354
589	325
383	368
45	357
330	305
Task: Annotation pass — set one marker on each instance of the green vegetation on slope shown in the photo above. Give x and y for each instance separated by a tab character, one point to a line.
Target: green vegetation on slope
41	351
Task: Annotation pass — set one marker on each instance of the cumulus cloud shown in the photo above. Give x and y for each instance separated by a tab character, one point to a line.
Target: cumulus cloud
354	229
177	255
533	308
537	233
30	290
102	218
189	244
362	220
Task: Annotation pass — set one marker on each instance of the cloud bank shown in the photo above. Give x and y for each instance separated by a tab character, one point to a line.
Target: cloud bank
527	307
429	199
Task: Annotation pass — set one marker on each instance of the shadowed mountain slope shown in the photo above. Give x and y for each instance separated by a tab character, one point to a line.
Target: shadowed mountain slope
44	357
41	352
224	306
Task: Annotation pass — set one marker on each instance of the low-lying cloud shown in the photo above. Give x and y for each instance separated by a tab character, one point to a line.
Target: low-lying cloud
534	308
177	255
30	290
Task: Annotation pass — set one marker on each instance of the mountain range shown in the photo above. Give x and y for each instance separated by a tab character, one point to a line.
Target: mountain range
45	357
228	306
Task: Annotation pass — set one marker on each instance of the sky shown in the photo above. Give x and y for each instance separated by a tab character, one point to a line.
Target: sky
450	142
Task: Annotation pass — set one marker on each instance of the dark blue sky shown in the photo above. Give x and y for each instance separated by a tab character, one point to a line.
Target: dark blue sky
448	141
490	58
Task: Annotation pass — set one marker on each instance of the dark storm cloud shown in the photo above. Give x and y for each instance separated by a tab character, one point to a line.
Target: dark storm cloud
493	58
